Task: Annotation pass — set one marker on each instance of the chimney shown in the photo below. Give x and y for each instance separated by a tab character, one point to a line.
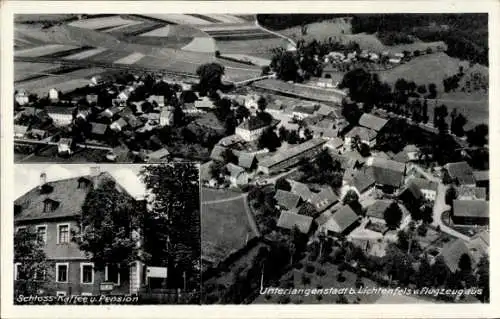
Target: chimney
43	179
94	173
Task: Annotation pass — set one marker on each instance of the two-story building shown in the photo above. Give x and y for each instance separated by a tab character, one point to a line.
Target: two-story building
53	209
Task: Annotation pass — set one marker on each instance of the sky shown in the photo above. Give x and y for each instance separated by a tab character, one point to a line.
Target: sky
27	176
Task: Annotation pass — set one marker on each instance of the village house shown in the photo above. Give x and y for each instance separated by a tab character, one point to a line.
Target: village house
300	112
20	131
341	222
92	98
22	97
461	172
376	211
62	116
53	209
471	193
324	199
427	188
167	116
334	144
470	212
301	190
118	125
388	174
289	220
38	134
252	128
452	252
372	122
237	175
286	200
365	135
158	156
64	146
53	95
247	160
98	130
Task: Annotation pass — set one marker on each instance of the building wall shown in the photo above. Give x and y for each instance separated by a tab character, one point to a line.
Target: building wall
471	220
248	135
61	119
348	142
429	194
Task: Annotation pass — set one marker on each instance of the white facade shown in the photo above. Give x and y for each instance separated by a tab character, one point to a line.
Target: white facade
429	194
61	119
349	140
53	94
249	135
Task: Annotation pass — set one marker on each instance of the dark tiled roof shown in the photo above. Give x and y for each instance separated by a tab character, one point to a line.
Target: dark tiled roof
342	219
365	134
216	153
423	183
461	171
324	199
234	170
452	252
121	122
98	128
471	208
363	179
290	220
20	129
387	172
471	192
378	208
65	192
304	109
158	154
291	152
372	122
59	110
253	123
301	190
287	200
335	143
246	159
481	176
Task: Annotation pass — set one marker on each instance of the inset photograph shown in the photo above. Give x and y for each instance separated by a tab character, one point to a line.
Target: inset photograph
107	234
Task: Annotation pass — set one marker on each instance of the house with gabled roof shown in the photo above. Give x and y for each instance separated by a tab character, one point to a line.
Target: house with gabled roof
324	199
376	211
247	160
470	212
452	252
289	220
366	135
427	187
286	200
53	210
252	128
302	190
461	172
372	122
341	222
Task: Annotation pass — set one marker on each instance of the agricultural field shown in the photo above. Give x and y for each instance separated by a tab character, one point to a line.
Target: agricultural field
103	23
225	225
179	18
44	50
24	70
255	47
130	59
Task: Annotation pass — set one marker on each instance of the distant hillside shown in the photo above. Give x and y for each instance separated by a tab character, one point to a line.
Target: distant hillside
465	35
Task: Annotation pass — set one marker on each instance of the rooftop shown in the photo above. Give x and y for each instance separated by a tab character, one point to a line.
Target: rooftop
461	171
290	220
378	208
423	183
324	199
365	134
372	122
452	252
253	123
291	152
341	219
471	208
285	199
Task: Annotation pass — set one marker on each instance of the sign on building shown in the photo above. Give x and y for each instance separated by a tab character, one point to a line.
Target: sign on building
156	272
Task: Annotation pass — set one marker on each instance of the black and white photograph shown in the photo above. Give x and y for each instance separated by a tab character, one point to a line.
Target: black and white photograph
360	175
241	155
107	234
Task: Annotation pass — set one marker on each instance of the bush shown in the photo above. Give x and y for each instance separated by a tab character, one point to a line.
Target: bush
310	268
305	279
341	277
320	272
319	297
298	265
284	300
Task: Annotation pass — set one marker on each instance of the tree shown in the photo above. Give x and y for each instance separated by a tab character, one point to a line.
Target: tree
425	114
393	216
29	253
210	75
464	263
483	281
262	103
173	223
425	275
398	265
269	140
351	112
427	213
283	184
478	136
447	180
308	209
350	197
403	240
229	157
451	195
285	65
457	125
364	149
108	221
324	161
241	112
422	89
432	91
218	170
230	124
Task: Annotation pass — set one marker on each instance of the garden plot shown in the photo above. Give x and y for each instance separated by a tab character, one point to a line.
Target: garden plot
109	56
227	27
24	70
201	45
161	32
44	50
103	22
130	59
226	18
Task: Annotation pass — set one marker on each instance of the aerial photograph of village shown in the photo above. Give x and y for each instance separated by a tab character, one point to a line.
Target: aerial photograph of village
343	158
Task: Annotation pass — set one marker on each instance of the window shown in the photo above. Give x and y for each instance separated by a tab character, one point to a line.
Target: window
87	273
63	233
61	294
112	274
16	271
41	231
49	205
40	275
62	272
20	228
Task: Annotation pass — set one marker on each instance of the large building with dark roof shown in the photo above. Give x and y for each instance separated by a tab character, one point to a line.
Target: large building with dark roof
471	212
461	172
292	156
53	210
252	128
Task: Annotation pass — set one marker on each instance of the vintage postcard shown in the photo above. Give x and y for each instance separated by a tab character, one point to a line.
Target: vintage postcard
277	160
